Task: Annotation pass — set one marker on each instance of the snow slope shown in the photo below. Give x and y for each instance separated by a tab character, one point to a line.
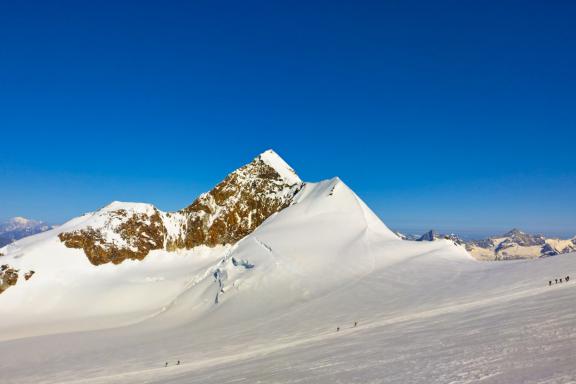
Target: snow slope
266	309
152	255
68	293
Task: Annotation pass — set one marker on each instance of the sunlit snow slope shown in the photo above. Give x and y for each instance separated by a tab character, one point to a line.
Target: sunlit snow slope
267	309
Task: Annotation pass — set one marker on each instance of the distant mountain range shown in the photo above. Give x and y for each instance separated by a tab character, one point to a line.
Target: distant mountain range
511	245
19	227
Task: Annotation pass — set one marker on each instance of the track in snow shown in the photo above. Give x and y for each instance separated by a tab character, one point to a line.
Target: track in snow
456	343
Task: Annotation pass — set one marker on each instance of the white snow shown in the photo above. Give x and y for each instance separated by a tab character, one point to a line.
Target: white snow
284	170
427	311
19	220
131	207
513	250
561	244
19	223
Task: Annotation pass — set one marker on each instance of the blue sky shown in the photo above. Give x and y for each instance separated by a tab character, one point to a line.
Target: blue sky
456	115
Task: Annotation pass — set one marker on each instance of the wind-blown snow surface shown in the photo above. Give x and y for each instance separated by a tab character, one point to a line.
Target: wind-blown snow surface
427	311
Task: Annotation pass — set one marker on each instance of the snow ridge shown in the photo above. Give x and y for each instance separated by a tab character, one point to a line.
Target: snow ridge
224	215
272	159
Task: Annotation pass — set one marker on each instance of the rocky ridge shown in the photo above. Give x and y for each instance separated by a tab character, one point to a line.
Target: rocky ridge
224	215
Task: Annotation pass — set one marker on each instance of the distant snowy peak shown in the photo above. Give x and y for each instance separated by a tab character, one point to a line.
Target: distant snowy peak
22	221
429	236
513	232
433	235
516	244
224	215
18	222
19	227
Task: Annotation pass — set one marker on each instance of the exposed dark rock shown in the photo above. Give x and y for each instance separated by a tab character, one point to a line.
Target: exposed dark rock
8	277
429	236
226	214
141	232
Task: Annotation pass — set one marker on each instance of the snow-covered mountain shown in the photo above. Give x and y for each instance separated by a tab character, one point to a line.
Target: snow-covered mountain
432	235
270	279
512	245
230	211
19	227
516	244
130	231
131	260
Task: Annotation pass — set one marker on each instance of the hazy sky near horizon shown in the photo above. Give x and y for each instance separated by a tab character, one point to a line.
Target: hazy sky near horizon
454	115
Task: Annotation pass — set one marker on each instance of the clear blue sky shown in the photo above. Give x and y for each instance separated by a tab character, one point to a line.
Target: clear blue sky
457	115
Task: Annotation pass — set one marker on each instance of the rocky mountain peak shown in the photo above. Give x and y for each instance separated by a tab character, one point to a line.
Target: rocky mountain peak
241	202
431	235
274	161
513	232
224	215
515	236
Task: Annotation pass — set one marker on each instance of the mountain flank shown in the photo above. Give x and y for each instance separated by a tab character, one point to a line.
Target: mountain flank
224	215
